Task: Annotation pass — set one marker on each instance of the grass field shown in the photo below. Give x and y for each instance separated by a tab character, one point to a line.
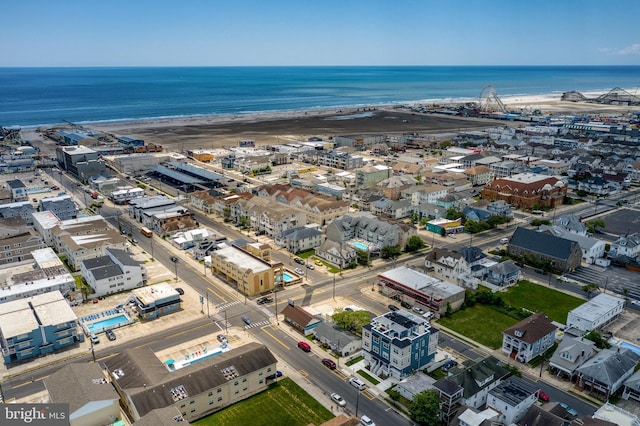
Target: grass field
480	323
284	403
538	298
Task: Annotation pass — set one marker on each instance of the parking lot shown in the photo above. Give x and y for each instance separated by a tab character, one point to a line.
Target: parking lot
613	278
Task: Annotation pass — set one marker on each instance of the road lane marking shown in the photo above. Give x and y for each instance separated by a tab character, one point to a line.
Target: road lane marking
172	335
217	294
276	339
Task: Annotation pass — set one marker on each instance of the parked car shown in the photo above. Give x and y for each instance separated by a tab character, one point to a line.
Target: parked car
405	305
418	310
94	339
299	271
357	383
304	346
310	266
543	396
318	262
569	409
278	373
329	363
221	338
299	261
110	335
338	399
180	291
393	308
448	365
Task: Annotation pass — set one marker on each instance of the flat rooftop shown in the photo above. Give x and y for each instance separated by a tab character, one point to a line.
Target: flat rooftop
241	259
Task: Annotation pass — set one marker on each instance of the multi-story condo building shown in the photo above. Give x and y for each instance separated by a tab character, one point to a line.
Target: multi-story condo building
397	343
37	326
114	272
19	247
251	274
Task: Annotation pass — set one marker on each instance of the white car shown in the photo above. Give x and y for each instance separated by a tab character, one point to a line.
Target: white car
299	271
565	279
366	421
338	399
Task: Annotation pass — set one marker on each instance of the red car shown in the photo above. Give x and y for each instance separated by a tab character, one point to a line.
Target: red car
329	363
304	346
543	396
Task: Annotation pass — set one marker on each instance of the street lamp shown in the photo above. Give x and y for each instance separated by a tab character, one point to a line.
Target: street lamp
93	354
174	259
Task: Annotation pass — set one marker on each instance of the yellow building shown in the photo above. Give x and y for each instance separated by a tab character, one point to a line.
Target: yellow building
251	274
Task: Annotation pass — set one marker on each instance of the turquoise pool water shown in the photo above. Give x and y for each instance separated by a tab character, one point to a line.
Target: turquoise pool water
360	246
209	355
99	325
634	348
286	277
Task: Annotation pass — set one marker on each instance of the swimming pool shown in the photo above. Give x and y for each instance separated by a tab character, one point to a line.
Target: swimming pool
285	276
176	365
360	246
106	323
628	345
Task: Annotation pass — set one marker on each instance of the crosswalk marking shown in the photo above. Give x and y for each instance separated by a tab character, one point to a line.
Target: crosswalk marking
264	323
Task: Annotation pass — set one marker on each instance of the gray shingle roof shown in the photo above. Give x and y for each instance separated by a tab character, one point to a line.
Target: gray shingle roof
300	233
123	257
609	365
78	385
548	245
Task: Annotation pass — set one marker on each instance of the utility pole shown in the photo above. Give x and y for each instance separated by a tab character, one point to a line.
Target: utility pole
226	324
334	286
93	354
208	314
275	297
357	401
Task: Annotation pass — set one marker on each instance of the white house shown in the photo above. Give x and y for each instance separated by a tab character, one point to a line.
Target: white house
595	313
512	398
114	272
529	338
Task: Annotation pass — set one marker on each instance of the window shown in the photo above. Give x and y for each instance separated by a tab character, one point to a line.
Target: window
210	393
219	390
219	398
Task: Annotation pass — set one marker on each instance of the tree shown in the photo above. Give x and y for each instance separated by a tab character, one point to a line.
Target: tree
388	252
597	338
425	408
415	243
453	214
363	257
593	224
351	320
590	288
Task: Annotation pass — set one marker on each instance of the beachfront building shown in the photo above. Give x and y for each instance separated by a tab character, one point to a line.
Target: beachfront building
334	158
47	273
132	164
155	300
359	142
80	161
398	343
596	312
408	285
251	274
91	397
529	338
19	246
527	191
145	383
36	326
113	273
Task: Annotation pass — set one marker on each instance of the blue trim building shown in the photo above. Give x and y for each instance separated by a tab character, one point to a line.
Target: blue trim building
398	343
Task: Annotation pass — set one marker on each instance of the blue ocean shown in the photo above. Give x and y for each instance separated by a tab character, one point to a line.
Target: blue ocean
42	96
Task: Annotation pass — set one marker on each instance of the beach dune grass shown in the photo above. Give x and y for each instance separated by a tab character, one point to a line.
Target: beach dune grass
538	298
283	404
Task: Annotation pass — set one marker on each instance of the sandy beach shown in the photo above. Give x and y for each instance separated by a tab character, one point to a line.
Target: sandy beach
210	132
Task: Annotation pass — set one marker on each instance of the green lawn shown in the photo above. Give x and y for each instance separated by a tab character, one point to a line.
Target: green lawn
538	298
284	403
479	323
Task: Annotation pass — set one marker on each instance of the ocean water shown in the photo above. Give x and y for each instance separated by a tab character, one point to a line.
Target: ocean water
41	96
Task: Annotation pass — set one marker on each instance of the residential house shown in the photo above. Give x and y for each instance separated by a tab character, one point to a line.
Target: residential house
412	385
571	223
20	246
22	209
92	399
398	343
469	385
503	273
114	272
426	194
185	240
529	338
338	340
628	245
81	247
370	175
607	371
393	187
37	325
63	207
540	416
393	209
299	239
571	353
478	175
596	313
144	382
561	254
336	253
512	398
300	319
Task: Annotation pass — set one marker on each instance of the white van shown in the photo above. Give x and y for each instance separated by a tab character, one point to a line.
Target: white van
357	383
504	240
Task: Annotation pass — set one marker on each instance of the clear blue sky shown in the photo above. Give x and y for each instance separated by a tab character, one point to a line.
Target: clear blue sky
325	32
